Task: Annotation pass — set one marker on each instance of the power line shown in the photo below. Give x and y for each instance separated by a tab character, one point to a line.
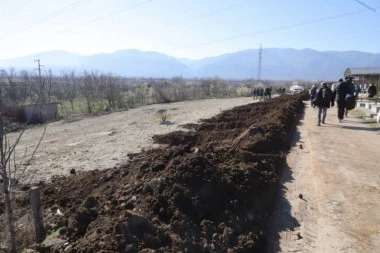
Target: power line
50	16
277	29
206	14
99	19
91	21
127	9
368	7
15	9
196	17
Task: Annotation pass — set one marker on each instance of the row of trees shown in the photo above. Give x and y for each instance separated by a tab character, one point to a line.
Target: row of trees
106	90
25	88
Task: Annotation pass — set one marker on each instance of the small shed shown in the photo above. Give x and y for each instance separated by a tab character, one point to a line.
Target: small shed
365	75
33	114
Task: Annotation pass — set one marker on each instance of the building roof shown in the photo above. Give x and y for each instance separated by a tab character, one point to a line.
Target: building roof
371	71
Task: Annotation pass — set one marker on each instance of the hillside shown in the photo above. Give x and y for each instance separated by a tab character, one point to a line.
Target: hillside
277	64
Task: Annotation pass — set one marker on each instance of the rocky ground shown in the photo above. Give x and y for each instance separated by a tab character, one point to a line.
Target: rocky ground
210	189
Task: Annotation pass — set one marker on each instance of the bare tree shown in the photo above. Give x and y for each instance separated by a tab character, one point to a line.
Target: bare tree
59	93
39	93
89	83
220	88
110	88
16	87
50	83
207	86
11	170
11	86
161	90
179	85
70	86
25	88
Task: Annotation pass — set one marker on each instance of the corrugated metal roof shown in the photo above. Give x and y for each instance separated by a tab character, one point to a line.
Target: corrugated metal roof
362	71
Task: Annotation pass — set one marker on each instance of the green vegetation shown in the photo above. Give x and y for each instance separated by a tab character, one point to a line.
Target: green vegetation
79	107
357	113
52	235
361	114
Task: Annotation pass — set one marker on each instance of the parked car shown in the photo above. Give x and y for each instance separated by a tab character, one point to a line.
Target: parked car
296	88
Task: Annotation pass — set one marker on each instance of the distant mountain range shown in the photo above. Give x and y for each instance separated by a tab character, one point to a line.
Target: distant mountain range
277	64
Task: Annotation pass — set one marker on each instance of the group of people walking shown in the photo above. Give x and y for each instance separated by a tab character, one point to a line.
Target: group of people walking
343	93
262	93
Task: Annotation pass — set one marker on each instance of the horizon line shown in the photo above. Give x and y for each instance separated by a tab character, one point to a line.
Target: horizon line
150	51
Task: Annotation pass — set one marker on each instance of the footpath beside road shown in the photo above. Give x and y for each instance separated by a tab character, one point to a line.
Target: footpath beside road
330	188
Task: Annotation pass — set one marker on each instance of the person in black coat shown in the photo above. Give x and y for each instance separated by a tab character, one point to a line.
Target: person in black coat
322	101
340	92
371	91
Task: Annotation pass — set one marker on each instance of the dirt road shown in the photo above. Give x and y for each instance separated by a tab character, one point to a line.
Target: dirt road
337	173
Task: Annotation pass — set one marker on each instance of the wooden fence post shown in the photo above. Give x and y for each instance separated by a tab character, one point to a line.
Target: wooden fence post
35	201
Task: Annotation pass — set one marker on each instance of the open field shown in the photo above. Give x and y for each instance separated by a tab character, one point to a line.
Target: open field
101	142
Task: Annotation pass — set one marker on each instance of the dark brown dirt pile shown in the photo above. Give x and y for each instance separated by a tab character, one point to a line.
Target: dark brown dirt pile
210	189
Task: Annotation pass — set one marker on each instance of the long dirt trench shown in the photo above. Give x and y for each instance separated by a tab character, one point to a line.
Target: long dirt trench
336	171
330	188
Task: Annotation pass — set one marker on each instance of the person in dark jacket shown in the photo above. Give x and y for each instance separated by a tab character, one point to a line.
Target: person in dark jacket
350	103
340	92
313	93
371	91
322	101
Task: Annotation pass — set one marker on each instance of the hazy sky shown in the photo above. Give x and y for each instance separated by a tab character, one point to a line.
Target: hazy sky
187	28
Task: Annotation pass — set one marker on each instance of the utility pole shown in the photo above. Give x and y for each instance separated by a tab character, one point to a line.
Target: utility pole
41	95
259	65
39	70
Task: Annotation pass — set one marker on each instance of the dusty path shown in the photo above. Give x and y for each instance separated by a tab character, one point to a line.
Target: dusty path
104	141
337	171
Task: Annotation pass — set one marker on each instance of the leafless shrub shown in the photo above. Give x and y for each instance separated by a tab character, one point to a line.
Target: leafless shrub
162	91
110	88
12	168
69	89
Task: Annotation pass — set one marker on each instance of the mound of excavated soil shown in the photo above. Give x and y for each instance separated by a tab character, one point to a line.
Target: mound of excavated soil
210	189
